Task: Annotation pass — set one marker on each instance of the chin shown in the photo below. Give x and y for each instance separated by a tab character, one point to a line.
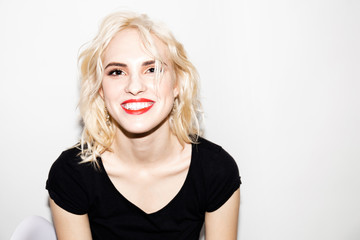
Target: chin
141	130
137	131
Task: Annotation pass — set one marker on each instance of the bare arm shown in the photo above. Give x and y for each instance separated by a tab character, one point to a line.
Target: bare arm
222	224
70	226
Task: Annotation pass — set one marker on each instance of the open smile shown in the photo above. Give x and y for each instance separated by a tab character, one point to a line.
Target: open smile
137	106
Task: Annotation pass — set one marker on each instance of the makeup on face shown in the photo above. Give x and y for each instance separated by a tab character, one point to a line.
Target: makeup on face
138	89
137	106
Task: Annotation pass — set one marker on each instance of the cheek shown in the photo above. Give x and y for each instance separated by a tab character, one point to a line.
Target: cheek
167	90
109	90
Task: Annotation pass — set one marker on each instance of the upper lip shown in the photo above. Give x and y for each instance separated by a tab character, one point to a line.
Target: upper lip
137	100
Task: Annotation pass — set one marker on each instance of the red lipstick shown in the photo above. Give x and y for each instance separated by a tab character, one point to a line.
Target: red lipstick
137	106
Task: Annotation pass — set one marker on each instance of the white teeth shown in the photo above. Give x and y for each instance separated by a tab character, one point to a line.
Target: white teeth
137	105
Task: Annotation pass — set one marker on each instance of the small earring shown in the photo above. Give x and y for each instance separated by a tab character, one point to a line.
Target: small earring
175	105
107	116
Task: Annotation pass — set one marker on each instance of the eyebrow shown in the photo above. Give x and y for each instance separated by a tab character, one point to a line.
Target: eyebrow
116	64
147	63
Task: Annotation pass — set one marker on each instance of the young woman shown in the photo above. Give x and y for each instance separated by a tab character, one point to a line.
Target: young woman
141	169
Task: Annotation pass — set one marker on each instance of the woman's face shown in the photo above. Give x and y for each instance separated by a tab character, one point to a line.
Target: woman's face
132	95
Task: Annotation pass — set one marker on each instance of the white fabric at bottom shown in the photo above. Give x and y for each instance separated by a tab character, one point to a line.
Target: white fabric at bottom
34	228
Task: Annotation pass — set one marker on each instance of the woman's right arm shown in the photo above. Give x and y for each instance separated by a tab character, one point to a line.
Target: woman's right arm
70	226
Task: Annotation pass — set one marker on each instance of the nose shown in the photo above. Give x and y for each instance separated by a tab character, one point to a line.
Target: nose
135	85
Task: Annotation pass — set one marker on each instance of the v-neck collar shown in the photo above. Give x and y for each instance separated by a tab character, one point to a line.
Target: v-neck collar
134	206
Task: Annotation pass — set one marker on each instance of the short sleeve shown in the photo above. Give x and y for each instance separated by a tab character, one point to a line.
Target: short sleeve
222	179
66	185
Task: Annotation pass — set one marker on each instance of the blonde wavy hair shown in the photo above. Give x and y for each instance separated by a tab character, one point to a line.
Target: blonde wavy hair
97	135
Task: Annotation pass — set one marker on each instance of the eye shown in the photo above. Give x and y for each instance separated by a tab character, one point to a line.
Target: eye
150	70
116	72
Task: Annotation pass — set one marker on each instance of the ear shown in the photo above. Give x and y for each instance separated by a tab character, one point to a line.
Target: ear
176	88
176	91
101	93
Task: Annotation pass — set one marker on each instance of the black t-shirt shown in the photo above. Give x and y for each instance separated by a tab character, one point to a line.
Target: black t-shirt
212	178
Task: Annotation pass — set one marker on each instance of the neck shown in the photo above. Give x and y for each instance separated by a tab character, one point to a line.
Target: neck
146	149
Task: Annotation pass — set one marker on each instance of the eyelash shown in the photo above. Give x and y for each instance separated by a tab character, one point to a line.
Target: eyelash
152	70
116	72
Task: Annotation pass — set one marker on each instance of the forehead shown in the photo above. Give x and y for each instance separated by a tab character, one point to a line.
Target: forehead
127	45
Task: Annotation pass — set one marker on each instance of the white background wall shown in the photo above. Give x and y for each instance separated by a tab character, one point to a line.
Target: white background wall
280	87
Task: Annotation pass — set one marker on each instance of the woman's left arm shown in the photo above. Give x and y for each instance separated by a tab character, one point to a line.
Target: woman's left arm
222	224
